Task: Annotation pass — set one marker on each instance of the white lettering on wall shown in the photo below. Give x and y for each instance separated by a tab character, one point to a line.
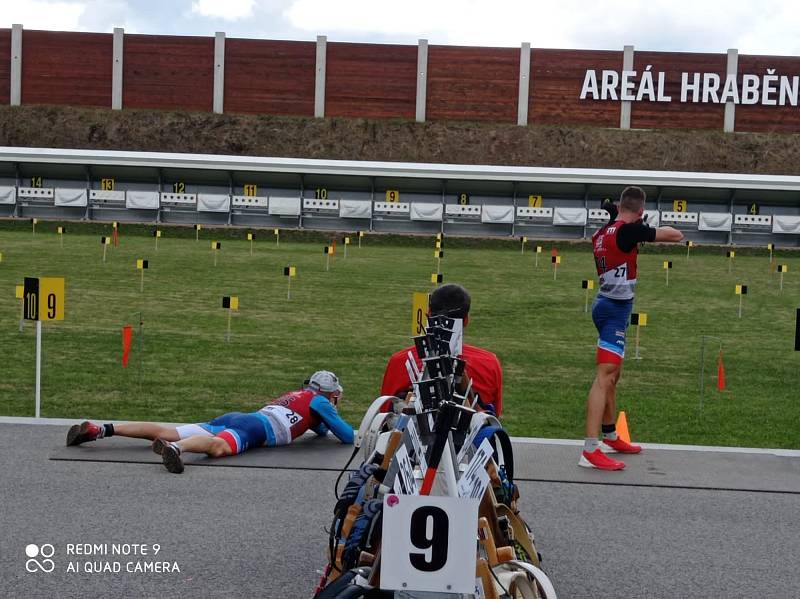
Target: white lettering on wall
768	89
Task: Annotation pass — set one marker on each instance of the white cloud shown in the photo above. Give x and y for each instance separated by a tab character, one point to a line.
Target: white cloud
674	25
228	10
40	14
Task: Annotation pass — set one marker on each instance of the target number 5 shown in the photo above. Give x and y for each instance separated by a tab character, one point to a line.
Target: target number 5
429	543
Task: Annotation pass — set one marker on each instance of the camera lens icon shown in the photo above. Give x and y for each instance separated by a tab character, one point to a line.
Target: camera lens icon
46	551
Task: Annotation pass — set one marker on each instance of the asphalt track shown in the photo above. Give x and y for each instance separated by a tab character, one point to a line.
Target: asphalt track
675	524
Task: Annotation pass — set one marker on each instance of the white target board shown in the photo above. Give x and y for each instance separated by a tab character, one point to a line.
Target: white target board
430	543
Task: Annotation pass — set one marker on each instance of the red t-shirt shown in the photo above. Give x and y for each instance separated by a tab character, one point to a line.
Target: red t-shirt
483	368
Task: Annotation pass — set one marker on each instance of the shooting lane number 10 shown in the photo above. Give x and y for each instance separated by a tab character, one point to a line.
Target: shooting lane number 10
42	299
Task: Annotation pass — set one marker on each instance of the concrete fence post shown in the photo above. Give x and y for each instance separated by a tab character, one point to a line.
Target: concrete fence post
16	65
219	71
524	83
729	125
116	68
422	79
319	82
625	107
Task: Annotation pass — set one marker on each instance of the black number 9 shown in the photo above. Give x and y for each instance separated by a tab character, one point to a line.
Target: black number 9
51	305
436	542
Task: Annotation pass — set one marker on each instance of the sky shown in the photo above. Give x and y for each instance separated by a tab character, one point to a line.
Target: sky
763	27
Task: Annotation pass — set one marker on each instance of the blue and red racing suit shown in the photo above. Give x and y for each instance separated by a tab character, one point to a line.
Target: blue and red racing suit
277	423
615	248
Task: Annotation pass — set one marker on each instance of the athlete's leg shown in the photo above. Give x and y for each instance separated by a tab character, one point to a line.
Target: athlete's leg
601	395
90	431
146	430
610	412
215	447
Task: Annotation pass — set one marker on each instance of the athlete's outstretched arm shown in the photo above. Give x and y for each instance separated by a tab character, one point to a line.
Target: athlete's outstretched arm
669	234
331	419
320	429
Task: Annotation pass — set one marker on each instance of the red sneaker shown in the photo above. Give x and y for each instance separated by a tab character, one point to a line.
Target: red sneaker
83	432
597	459
622	446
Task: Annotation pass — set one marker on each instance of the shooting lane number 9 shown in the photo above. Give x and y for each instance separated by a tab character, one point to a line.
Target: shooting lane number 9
419	313
429	543
43	299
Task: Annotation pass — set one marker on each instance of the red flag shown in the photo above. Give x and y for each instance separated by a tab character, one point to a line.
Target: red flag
720	373
553	253
127	336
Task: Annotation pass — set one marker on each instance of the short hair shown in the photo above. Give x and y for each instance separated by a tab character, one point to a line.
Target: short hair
632	199
450	300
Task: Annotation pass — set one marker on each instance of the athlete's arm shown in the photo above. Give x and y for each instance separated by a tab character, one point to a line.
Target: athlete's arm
669	234
330	418
631	234
320	429
611	208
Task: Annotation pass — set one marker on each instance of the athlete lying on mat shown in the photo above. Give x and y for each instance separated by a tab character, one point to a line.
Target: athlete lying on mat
278	423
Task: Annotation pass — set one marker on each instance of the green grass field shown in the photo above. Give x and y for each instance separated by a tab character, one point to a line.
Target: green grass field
352	318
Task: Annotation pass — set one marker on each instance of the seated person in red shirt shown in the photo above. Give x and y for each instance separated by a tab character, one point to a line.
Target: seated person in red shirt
483	367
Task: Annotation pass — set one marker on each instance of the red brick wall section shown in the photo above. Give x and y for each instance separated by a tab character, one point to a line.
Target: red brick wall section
677	114
5	66
371	80
478	84
168	72
60	67
555	88
270	77
757	117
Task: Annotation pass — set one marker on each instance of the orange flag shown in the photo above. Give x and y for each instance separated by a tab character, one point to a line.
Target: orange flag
127	336
720	373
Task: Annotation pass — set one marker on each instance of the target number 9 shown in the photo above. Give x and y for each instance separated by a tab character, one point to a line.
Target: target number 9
429	543
430	531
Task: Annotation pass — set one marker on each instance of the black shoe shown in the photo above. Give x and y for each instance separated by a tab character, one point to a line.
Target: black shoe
83	432
171	457
158	446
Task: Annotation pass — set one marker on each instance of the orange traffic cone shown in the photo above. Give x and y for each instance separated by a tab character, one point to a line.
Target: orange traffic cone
720	373
622	428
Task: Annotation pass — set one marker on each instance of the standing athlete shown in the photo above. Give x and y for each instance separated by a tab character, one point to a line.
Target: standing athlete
278	423
615	249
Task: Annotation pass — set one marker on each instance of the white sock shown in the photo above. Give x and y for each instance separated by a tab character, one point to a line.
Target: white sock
590	444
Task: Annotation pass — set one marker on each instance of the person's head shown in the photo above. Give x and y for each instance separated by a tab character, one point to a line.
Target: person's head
325	383
450	300
631	203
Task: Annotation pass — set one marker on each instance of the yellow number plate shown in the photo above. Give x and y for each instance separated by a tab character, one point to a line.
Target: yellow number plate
419	313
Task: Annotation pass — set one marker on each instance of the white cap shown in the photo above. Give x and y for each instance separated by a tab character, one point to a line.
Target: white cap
325	381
